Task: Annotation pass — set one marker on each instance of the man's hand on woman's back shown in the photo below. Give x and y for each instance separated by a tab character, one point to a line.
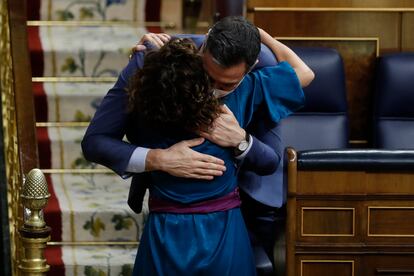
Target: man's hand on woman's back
182	161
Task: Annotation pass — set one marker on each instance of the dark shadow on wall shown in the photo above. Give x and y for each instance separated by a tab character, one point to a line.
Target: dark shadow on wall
228	7
5	267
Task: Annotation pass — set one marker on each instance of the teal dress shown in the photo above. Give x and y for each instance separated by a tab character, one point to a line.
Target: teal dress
215	243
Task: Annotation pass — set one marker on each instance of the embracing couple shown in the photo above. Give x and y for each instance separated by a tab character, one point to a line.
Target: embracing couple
201	117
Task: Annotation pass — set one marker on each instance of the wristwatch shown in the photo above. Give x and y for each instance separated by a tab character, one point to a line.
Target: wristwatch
242	146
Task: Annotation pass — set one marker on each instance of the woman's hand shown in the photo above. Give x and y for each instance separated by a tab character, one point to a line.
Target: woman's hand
284	53
157	40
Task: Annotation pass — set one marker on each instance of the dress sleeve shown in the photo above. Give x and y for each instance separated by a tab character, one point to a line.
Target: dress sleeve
276	87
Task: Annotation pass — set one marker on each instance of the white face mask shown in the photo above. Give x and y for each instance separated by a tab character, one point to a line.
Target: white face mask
221	93
218	93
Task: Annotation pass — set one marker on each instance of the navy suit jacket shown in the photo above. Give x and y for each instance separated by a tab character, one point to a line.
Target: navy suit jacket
103	143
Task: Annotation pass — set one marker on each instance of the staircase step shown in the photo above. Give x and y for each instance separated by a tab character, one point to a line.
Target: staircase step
88	51
68	102
90	260
76	10
91	208
60	148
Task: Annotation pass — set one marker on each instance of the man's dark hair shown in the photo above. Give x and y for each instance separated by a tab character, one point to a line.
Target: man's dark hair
173	90
233	40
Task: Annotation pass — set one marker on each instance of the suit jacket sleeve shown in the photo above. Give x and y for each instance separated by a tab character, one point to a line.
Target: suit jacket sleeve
266	152
103	142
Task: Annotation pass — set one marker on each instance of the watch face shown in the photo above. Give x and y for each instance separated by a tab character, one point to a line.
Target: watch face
243	145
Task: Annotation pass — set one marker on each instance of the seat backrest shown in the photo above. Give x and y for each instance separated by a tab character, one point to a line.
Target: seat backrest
394	102
323	122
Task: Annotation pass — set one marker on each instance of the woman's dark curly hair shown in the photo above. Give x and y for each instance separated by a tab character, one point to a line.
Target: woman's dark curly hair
173	89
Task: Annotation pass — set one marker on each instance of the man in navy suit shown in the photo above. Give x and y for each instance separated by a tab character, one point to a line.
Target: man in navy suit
261	195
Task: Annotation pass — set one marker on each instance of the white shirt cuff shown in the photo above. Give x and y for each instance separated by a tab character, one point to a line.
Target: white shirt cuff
137	161
241	156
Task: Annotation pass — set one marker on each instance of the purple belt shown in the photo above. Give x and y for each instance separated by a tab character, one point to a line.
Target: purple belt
227	202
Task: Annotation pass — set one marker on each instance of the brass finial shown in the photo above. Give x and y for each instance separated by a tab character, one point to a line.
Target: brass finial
34	233
34	197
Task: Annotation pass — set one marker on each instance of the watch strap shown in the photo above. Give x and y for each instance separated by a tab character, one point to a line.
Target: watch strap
237	150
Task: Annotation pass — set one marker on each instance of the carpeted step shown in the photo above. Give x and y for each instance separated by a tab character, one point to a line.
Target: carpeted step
91	260
68	102
81	51
60	148
91	207
130	10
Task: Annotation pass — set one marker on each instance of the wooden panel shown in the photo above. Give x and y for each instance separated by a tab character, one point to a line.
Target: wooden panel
327	221
330	183
391	221
388	265
319	207
355	183
359	58
393	183
330	3
330	221
327	267
334	24
407	32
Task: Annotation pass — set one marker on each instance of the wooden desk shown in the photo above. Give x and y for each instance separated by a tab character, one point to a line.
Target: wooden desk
355	221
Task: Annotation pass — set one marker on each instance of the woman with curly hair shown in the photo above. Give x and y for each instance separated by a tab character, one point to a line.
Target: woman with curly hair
172	90
194	227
